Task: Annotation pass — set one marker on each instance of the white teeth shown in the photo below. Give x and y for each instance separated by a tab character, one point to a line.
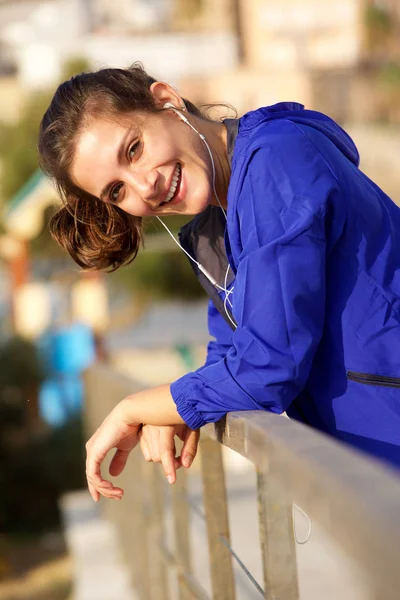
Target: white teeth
174	183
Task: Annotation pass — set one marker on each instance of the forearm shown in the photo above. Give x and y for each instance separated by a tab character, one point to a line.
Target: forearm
154	406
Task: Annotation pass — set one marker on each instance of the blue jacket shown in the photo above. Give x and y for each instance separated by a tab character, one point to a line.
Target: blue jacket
315	248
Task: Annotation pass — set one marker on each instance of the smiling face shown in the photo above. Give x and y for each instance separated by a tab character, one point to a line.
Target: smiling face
147	164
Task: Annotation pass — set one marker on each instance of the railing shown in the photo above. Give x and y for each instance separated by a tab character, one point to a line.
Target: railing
355	500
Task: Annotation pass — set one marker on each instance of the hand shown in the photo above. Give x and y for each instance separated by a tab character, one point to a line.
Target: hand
158	445
115	432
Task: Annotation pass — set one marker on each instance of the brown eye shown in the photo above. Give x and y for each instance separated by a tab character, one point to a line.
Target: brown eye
132	150
115	193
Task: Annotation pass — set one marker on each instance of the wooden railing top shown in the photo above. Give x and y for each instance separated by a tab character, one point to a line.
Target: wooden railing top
354	498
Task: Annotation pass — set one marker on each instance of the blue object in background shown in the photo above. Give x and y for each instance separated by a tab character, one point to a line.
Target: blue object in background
73	349
60	399
66	353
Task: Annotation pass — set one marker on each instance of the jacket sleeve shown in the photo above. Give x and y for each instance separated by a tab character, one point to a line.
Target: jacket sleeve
278	302
220	330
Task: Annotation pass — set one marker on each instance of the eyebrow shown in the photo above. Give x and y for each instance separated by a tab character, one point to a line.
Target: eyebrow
105	191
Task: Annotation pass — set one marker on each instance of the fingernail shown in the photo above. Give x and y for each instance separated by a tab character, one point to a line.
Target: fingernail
170	479
187	461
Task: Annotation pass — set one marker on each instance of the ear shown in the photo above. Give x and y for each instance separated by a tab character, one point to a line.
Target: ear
163	93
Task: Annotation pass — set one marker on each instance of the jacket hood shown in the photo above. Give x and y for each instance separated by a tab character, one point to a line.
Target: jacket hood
293	111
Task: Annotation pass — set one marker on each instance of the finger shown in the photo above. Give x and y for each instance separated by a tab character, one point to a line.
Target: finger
118	462
108	436
189	448
95	454
93	492
104	489
147	442
97	482
114	493
107	492
145	449
103	483
154	443
178	463
181	431
167	454
144	433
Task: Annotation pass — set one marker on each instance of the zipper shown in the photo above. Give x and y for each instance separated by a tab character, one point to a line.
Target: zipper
369	379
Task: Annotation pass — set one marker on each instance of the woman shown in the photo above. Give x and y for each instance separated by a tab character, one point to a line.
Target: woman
306	313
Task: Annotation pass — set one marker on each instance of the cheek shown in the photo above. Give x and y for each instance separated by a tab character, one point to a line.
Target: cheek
135	207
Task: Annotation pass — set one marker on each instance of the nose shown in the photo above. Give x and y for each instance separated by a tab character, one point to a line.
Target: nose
146	183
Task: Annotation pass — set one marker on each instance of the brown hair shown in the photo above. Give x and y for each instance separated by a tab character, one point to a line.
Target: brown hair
97	235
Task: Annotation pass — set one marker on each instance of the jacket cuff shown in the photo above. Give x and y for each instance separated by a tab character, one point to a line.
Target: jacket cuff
180	394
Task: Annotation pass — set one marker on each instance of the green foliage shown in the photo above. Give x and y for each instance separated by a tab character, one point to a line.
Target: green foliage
389	74
379	28
18	142
18	147
378	19
44	245
74	66
160	276
174	222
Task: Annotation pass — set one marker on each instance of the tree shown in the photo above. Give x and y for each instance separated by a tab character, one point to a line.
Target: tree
18	142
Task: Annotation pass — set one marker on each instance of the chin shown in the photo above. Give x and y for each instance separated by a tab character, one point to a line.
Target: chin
193	204
201	204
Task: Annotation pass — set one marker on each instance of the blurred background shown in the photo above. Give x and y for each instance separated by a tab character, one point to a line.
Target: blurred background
148	319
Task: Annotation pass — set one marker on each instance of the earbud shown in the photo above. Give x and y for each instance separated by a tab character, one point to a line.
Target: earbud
177	111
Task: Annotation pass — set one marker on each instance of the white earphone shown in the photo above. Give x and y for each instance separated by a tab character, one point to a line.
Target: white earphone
200	266
177	111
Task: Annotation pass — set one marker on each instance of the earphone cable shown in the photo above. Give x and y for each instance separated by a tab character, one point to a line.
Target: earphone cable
200	266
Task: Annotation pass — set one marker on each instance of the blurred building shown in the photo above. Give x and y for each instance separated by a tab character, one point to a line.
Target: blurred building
131	15
332	56
341	57
37	37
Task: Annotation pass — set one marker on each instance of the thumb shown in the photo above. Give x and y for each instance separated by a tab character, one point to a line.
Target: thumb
189	448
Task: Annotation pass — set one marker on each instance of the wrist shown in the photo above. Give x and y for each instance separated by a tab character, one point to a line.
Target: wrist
154	406
127	410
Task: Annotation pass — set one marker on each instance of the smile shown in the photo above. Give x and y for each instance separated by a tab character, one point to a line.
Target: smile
174	185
